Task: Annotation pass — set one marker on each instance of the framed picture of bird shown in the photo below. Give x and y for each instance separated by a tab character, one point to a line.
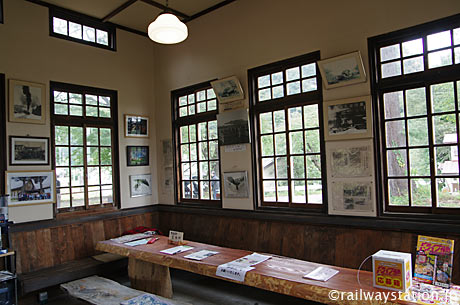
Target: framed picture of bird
236	184
140	185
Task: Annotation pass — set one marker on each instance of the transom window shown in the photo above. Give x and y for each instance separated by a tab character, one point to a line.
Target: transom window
198	174
287	117
85	146
81	28
417	92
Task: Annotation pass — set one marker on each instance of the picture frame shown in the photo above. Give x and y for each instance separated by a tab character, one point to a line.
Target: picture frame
136	126
233	127
29	150
140	185
236	184
137	155
26	102
349	118
228	89
351	178
343	70
30	187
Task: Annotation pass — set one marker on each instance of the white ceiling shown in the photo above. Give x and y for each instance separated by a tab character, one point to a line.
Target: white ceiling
136	16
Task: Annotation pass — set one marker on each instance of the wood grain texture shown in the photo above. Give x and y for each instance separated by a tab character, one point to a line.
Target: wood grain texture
278	274
150	277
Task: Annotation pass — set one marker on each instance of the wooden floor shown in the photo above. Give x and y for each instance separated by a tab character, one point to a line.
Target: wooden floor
194	289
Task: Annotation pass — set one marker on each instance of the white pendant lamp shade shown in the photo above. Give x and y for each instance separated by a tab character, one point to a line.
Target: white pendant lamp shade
167	29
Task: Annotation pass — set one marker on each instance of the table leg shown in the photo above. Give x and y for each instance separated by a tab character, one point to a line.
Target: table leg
150	277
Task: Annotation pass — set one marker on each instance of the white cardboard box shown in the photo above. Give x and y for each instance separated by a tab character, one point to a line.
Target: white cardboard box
392	270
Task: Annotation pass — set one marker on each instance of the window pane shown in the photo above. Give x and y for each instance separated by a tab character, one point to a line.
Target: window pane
457	55
268	165
297	167
104	112
313	166
193	152
204	190
183	111
391	69
310	115
92	155
75	98
263	81
280	123
457	36
62	177
413	65
184	134
397	163
60	97
59	26
266	122
78	196
439	59
63	198
76	110
194	170
282	190
104	101
203	151
185	154
213	150
77	175
390	52
296	142
61	109
312	143
201	95
186	171
280	144
212	125
210	93
445	129
419	162
265	94
269	190
309	85
91	111
107	194
94	195
295	118
77	156
106	155
202	131
62	156
395	133
106	137
399	194
93	175
298	191
421	192
293	88
89	34
315	192
416	102
212	105
76	135
202	107
278	92
61	135
191	109
277	78
308	70
412	47
418	132
442	97
192	133
438	40
267	145
281	167
75	30
448	195
106	175
446	160
394	104
91	99
292	74
204	170
92	136
102	37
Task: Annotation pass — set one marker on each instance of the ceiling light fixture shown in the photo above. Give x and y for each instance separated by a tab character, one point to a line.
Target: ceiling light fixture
167	28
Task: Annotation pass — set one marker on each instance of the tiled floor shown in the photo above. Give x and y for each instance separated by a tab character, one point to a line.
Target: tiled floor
201	290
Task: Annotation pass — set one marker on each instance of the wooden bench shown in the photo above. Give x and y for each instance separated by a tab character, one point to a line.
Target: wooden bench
69	271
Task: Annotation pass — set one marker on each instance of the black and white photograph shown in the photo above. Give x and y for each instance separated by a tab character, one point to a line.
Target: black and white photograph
27	102
236	184
348	118
350	158
233	127
29	151
353	198
31	187
140	185
228	89
136	126
342	70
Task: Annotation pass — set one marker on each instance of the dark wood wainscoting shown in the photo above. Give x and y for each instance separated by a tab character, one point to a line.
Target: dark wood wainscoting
45	246
334	245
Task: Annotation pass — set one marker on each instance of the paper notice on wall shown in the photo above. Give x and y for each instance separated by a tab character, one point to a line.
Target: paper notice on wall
235	147
233	271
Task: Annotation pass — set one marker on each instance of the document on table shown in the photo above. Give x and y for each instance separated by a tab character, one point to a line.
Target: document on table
137	242
198	256
251	259
176	250
321	274
131	237
233	271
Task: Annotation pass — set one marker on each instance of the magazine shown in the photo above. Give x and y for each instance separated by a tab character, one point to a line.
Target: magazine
439	254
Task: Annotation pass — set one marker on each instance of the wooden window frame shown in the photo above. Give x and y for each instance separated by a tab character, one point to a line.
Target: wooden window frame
422	79
84	122
1	12
284	103
83	20
177	123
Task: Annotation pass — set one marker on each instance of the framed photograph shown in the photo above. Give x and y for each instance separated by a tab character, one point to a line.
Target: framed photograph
233	127
27	102
30	187
137	155
348	118
228	89
136	126
342	70
354	197
140	185
236	184
29	151
348	159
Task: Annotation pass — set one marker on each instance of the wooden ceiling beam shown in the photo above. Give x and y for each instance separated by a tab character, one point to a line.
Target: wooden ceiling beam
166	8
118	10
208	10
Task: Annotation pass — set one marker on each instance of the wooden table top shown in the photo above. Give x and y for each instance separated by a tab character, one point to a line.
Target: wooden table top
279	274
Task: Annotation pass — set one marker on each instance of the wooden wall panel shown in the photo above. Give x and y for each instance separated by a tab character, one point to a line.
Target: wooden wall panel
333	245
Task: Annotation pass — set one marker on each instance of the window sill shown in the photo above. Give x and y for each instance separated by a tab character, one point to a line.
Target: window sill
83	213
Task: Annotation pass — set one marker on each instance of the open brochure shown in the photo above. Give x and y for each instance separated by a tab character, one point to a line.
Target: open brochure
200	255
236	270
175	250
130	237
321	274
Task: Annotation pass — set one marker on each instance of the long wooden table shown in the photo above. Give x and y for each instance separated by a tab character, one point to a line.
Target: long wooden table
148	270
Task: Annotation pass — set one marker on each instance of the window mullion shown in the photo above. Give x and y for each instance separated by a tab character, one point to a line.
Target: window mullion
86	169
